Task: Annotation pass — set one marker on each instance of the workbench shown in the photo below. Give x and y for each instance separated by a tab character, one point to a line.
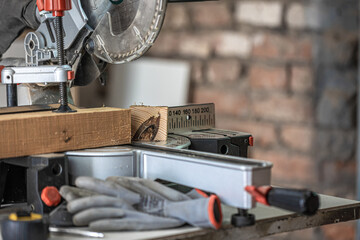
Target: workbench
269	220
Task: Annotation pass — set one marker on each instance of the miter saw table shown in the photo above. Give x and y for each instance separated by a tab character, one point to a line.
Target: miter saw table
270	221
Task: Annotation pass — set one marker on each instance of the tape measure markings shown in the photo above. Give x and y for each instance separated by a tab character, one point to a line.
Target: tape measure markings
191	117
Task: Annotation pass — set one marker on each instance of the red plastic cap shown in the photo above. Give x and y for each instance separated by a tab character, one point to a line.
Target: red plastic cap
57	7
251	141
1	68
51	196
40	5
71	75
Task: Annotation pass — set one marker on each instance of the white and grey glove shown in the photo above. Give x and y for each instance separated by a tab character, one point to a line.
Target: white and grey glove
105	213
123	203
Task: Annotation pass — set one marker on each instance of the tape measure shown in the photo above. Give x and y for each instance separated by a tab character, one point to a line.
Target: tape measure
191	117
23	226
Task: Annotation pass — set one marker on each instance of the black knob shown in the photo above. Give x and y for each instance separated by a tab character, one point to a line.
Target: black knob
300	201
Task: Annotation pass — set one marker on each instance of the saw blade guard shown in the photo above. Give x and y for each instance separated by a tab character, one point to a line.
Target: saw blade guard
126	30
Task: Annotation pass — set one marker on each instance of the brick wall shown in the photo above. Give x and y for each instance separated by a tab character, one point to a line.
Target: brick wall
284	71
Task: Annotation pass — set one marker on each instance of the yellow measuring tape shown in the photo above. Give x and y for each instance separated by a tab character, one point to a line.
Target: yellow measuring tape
32	217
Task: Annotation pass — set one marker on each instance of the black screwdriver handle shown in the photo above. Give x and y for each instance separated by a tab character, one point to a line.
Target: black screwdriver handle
300	201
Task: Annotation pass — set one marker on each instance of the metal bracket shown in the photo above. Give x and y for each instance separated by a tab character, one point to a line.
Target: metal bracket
40	74
226	176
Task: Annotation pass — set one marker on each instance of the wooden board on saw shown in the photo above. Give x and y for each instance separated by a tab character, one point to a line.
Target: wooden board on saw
24	134
149	123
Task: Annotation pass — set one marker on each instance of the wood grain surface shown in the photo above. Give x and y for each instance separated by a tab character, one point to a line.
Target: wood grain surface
26	134
144	115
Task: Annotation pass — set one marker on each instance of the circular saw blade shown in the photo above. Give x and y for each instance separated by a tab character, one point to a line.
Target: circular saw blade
125	31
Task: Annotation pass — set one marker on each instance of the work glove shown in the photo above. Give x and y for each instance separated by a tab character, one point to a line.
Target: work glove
123	203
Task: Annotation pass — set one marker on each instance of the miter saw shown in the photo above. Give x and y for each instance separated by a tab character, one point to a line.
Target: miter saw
76	39
73	44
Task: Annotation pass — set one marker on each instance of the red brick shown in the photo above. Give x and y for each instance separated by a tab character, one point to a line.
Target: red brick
197	71
309	233
226	101
170	44
298	137
339	176
283	108
300	16
277	47
302	79
259	13
221	70
264	133
295	17
165	45
211	15
289	167
232	44
338	191
339	231
267	77
194	45
176	17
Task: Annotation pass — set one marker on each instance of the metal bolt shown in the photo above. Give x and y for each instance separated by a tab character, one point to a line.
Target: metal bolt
61	61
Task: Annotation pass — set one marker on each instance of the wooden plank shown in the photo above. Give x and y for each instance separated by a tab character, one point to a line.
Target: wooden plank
26	134
149	123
